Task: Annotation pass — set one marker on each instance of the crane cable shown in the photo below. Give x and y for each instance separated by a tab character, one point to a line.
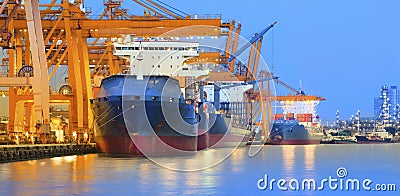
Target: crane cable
272	51
155	8
168	10
160	10
172	8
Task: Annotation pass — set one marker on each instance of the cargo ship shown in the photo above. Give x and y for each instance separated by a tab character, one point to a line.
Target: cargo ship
232	125
146	111
291	132
380	136
298	124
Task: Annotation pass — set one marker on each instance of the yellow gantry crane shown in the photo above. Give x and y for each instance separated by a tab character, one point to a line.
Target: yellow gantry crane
41	38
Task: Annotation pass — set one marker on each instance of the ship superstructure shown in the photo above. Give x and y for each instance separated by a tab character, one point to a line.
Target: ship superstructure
159	58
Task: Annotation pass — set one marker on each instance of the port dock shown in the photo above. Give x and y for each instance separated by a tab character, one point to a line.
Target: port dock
10	153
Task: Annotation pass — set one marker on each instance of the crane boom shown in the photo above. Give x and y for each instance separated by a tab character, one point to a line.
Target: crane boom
254	39
288	87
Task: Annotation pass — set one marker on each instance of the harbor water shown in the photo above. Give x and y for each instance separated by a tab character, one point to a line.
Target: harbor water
238	174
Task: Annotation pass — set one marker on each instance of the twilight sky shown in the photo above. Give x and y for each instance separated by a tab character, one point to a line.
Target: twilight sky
341	50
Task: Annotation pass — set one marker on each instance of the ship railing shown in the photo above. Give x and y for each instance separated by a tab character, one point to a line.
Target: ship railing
205	16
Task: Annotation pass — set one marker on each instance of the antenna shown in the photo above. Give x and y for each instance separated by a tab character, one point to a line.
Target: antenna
300	85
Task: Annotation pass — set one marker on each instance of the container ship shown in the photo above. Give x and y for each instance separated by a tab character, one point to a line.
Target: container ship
147	111
299	123
291	132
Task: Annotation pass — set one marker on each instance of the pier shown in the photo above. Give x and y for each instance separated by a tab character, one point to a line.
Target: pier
11	153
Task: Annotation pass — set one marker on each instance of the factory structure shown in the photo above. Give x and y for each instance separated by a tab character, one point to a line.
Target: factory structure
386	113
387	106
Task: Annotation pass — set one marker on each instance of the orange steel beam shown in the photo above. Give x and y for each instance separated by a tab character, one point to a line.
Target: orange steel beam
214	57
229	41
157	31
97	55
267	109
54	98
3	6
235	45
54	44
15	81
98	64
55	55
12	69
257	58
53	29
12	9
19	52
103	14
28	110
110	61
97	47
85	70
95	41
87	24
58	64
251	59
74	73
49	6
102	70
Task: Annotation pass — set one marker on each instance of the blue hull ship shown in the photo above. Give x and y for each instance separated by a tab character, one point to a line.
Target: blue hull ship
131	116
290	132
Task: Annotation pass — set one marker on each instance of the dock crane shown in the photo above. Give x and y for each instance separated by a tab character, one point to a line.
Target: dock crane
74	39
247	77
289	87
258	37
252	66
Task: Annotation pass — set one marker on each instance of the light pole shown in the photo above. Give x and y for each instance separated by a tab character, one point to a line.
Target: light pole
358	120
337	119
352	122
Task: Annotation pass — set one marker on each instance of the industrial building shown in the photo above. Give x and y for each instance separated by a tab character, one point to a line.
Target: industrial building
387	106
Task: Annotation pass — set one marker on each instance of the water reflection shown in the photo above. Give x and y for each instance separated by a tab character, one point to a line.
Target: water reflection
237	175
288	155
292	156
237	161
60	172
309	157
144	173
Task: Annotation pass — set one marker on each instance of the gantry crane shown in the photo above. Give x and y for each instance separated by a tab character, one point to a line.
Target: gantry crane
73	39
238	71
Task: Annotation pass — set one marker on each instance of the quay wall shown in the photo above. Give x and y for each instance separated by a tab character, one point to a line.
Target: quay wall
11	153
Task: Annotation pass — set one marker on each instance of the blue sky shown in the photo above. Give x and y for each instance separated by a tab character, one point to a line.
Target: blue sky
341	50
